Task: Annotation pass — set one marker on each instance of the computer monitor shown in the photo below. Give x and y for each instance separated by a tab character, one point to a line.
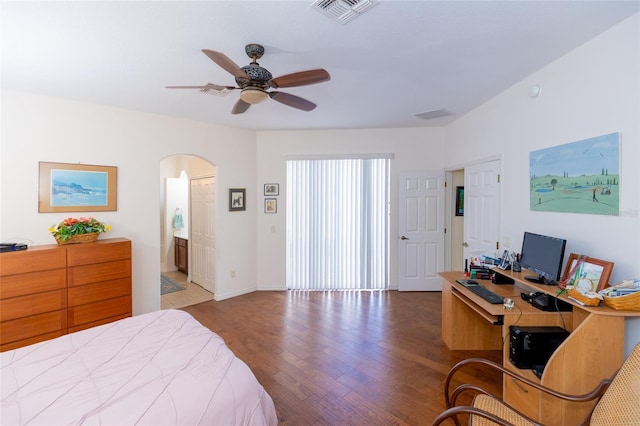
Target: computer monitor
542	255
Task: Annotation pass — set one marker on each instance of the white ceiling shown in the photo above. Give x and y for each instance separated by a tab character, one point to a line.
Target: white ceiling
398	59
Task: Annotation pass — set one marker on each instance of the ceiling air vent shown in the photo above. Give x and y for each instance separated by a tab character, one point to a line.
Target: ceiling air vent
436	113
343	11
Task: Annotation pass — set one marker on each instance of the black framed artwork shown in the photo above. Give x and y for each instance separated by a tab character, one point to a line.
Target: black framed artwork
271	189
237	199
459	200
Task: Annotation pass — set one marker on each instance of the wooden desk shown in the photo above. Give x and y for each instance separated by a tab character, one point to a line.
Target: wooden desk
593	351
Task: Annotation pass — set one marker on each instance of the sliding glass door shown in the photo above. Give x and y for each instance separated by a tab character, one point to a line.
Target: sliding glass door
338	223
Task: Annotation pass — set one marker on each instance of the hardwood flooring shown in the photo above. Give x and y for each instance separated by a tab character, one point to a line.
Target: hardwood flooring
344	357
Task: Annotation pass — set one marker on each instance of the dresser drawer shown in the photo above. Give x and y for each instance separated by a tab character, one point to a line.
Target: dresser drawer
83	294
35	325
97	323
31	304
34	259
98	272
99	310
31	340
33	282
100	251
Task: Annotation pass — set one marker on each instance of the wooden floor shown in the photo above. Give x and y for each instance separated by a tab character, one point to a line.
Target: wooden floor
343	357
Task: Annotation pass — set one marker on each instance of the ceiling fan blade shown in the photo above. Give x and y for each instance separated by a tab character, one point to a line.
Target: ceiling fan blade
240	107
204	87
226	63
301	78
292	101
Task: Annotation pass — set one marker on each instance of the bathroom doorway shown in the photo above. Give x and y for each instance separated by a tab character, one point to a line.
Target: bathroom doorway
184	261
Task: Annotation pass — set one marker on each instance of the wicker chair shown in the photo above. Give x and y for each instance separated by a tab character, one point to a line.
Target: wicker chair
617	398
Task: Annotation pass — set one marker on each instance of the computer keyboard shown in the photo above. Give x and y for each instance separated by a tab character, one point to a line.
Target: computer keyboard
481	291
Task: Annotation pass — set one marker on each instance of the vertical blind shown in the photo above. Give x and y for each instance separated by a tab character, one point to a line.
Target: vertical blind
337	224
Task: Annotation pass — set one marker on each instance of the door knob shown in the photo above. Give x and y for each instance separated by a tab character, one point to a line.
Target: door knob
404	238
465	244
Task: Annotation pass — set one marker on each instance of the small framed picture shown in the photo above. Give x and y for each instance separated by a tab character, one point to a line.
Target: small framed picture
271	189
270	205
587	273
459	200
237	199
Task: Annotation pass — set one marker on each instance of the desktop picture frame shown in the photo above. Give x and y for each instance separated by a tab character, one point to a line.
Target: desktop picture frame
596	270
237	199
66	187
459	200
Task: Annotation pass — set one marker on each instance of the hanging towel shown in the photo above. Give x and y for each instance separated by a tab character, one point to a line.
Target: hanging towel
178	222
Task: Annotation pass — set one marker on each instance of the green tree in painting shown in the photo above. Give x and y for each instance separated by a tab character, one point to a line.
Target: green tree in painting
554	182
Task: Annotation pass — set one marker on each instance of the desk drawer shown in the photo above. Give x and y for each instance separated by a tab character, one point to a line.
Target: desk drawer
522	397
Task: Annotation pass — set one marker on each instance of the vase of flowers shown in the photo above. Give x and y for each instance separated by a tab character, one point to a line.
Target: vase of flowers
78	230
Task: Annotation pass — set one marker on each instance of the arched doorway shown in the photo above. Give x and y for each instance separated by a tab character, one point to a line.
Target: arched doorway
186	258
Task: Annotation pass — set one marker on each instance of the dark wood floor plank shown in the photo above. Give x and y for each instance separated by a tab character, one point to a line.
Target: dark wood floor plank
344	357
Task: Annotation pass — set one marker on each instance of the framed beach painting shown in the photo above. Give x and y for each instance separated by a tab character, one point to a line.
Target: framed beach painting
67	187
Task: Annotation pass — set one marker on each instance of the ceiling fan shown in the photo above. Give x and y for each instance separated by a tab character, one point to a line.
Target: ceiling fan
255	81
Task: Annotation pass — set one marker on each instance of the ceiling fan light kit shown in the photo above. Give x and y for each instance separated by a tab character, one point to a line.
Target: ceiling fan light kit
253	95
254	81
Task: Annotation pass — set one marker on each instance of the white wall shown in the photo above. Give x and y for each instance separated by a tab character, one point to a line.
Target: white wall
592	91
37	128
413	149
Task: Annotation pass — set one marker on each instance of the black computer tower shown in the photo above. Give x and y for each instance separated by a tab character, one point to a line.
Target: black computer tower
531	347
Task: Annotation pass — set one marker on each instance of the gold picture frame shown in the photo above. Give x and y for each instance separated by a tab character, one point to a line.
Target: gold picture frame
65	187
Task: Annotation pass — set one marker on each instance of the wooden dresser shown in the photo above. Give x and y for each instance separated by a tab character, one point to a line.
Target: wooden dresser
48	291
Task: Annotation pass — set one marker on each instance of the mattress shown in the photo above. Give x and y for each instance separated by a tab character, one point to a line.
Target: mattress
161	368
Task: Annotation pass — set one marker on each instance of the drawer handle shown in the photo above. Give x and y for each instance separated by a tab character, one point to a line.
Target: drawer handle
517	383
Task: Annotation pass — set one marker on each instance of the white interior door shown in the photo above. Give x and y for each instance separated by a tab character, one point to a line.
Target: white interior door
482	209
203	242
421	231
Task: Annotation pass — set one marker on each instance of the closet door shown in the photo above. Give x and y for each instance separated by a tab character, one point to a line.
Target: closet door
202	252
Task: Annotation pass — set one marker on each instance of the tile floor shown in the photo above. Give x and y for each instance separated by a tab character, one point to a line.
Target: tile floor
192	295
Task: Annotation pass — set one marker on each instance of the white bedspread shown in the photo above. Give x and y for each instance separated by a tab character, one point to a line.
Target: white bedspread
162	368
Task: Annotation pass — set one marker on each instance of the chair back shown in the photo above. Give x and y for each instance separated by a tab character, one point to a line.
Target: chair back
619	404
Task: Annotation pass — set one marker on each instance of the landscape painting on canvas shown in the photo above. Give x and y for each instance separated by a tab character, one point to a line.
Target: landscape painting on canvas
577	177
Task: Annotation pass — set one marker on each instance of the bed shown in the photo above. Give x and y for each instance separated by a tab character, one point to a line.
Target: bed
161	368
